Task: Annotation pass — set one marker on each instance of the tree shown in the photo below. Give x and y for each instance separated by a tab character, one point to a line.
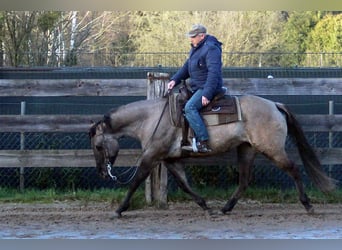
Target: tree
1	38
107	36
47	23
247	31
326	37
19	25
55	38
295	34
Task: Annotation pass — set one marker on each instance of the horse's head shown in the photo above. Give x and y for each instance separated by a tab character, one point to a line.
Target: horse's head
105	147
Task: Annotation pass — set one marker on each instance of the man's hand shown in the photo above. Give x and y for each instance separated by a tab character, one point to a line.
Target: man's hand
171	84
205	101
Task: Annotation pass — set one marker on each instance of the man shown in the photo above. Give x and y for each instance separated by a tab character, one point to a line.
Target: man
203	67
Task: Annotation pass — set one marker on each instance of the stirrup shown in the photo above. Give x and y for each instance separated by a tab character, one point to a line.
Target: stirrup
192	148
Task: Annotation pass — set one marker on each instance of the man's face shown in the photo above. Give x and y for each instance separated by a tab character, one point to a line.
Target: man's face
196	39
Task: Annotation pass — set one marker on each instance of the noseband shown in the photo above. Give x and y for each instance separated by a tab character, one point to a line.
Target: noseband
109	165
106	155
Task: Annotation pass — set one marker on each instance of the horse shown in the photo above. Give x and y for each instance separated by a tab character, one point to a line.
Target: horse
263	129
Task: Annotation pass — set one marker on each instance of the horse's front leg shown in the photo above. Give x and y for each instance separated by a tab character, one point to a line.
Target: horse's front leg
142	173
177	170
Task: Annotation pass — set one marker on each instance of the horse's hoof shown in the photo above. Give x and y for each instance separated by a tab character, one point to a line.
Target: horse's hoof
310	210
225	211
116	215
210	213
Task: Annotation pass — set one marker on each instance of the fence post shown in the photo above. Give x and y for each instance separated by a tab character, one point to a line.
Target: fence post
22	147
331	112
156	183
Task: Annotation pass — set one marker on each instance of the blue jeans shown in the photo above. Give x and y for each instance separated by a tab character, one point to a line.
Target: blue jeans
192	108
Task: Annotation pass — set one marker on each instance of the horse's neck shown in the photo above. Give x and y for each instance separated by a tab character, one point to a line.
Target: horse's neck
131	119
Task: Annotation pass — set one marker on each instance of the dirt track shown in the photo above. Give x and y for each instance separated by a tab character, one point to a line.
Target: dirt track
249	219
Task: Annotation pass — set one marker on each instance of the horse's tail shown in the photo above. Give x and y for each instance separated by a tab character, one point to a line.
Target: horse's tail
310	160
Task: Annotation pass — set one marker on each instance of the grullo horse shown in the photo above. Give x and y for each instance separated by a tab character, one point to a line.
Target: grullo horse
263	129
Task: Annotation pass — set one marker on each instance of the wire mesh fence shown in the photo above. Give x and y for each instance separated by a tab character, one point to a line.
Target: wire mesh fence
176	59
86	178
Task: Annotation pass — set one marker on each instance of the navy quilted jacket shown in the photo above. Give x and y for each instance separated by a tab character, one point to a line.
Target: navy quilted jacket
203	67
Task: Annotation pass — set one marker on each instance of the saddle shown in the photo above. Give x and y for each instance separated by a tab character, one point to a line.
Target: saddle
222	109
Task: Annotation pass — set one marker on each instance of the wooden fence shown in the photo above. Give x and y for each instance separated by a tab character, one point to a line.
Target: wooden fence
138	87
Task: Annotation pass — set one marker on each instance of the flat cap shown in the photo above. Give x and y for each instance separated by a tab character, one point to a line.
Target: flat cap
196	29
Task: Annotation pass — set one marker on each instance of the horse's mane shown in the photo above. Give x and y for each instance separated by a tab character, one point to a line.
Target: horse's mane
107	116
92	129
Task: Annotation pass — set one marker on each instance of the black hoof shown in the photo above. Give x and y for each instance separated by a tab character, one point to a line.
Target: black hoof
224	211
116	215
310	210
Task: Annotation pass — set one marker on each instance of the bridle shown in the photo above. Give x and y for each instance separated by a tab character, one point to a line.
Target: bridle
109	164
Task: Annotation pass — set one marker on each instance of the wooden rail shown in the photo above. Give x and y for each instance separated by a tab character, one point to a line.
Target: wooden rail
81	123
128	157
138	87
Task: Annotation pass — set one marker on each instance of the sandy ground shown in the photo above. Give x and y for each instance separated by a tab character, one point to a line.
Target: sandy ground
249	220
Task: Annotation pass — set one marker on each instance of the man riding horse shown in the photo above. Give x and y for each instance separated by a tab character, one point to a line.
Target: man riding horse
203	67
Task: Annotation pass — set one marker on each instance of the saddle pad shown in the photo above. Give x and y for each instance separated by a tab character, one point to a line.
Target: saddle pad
225	110
224	105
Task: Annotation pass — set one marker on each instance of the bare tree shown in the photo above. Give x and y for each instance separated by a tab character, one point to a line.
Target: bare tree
19	25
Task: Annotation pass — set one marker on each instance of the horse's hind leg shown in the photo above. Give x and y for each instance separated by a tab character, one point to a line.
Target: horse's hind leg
283	162
177	170
246	155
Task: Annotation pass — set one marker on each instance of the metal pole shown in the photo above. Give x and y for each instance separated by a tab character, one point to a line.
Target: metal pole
260	60
331	112
22	147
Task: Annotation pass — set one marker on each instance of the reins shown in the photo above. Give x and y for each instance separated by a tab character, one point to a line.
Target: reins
155	128
109	164
160	117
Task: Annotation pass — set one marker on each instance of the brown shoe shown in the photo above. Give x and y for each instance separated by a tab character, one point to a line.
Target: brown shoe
203	147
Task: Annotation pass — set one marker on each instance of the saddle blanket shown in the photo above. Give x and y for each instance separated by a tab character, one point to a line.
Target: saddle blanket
222	111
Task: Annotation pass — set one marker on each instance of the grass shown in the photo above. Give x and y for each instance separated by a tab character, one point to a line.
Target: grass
114	196
264	195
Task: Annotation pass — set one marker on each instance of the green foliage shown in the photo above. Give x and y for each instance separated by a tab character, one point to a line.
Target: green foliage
71	58
214	176
294	35
48	20
327	37
115	196
56	37
52	195
121	47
